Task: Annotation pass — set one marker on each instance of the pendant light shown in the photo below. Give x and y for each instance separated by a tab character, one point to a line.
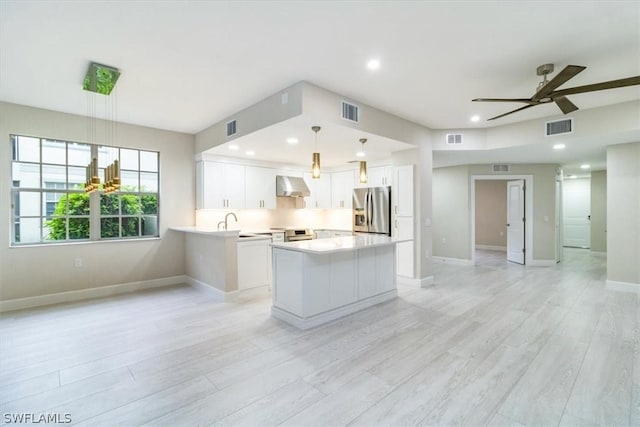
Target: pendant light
315	165
363	164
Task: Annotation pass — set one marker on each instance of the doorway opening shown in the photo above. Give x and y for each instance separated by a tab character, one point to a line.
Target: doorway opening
576	213
501	209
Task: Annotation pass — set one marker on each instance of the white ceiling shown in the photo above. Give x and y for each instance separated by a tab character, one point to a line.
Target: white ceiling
189	64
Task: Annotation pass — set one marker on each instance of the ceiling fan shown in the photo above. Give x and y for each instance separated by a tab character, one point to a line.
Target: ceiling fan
546	91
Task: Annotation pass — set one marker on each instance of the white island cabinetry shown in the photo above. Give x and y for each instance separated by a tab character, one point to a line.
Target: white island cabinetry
316	281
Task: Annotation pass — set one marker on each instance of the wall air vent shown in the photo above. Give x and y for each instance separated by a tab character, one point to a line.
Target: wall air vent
559	127
500	168
231	128
350	112
454	139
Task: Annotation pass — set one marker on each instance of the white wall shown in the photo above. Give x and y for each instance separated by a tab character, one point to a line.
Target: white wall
46	269
451	213
599	211
623	215
452	216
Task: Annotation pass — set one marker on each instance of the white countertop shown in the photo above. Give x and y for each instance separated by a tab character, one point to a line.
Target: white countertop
208	231
338	244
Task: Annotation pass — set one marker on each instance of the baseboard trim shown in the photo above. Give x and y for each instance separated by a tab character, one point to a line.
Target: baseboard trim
320	319
542	263
84	294
220	296
418	283
452	261
492	248
214	293
614	285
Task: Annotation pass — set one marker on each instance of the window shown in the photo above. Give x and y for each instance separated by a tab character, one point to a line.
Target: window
50	204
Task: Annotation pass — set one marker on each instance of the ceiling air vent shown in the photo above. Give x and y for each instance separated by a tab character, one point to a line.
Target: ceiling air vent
350	112
500	168
558	127
454	139
231	128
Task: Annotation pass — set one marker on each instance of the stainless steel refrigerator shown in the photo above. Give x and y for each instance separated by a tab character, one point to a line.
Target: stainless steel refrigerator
372	210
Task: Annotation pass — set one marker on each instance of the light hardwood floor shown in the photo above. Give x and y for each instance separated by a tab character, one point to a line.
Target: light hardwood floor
494	344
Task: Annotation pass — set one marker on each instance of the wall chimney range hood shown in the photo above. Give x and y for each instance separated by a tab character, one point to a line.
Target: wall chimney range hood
291	186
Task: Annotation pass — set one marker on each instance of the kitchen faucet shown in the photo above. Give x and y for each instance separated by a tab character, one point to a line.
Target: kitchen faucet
226	217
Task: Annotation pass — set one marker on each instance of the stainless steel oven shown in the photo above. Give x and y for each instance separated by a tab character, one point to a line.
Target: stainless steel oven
294	235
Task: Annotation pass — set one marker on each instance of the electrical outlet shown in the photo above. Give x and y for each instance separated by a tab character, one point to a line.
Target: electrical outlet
77	262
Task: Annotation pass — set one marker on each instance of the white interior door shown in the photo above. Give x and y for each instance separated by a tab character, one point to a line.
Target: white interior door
576	207
515	221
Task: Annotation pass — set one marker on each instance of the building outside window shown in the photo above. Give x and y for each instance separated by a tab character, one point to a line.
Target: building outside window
51	206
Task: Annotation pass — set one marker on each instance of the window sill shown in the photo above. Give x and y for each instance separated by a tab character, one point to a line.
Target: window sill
84	242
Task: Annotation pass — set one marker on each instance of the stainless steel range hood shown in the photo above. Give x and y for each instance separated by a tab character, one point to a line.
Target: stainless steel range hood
291	186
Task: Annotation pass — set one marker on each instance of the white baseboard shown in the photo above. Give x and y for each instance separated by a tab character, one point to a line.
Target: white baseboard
542	263
452	261
214	293
83	294
613	285
322	318
492	248
220	296
418	283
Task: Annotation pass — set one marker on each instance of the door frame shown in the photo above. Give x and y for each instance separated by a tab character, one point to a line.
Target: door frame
528	199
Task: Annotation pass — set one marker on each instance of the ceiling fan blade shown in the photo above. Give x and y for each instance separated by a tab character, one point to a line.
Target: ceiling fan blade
564	104
563	76
511	112
613	84
525	100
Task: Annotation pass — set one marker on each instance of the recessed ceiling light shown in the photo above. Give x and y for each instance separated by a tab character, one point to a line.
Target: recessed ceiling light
572	176
585	166
250	153
373	64
292	140
475	118
360	154
559	147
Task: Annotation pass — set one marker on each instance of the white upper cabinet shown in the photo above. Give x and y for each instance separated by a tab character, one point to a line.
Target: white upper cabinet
378	176
222	185
342	184
403	190
320	190
260	187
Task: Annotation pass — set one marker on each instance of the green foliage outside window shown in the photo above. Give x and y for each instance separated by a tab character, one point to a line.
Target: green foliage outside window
110	226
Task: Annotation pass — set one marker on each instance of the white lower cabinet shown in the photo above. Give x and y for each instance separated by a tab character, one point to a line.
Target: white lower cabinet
376	271
254	263
404	230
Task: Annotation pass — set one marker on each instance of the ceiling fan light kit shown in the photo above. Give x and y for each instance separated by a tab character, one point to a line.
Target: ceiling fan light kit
546	91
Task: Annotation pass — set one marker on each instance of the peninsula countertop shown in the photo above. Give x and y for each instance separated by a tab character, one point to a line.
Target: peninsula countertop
338	244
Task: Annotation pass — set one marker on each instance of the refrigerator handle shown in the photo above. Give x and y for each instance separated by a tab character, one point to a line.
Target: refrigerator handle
370	209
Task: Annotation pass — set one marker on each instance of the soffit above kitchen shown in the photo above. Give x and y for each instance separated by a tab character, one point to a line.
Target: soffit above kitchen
337	144
187	65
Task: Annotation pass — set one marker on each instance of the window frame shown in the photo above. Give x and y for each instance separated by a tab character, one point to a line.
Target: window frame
48	185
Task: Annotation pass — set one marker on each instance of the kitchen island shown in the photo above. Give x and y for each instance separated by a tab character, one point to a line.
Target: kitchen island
317	281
